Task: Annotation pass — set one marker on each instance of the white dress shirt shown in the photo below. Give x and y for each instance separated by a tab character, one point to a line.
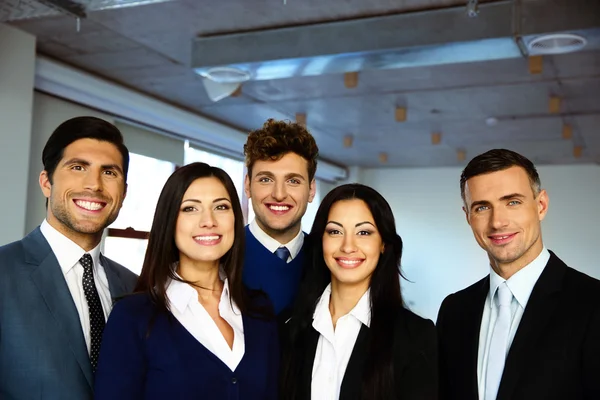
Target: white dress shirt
188	310
68	254
521	285
335	345
294	246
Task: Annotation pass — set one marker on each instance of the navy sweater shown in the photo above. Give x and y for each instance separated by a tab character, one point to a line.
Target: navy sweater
167	362
265	271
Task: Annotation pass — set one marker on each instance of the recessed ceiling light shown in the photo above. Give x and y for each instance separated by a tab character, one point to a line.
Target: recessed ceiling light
556	43
491	121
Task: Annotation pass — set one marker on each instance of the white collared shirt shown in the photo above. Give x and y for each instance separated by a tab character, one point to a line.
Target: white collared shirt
188	310
68	254
294	246
521	285
335	345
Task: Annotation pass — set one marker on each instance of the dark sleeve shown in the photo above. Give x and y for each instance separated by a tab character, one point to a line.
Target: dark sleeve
121	366
274	359
442	375
591	358
420	379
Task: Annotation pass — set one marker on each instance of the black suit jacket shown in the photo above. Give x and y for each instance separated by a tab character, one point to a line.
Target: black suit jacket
556	350
414	360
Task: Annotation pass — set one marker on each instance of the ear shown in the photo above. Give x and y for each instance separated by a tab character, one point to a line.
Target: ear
124	193
312	190
382	248
543	201
45	184
466	215
247	186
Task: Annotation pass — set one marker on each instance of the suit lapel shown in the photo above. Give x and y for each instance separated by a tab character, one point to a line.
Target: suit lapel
471	321
115	283
351	384
539	310
312	339
49	280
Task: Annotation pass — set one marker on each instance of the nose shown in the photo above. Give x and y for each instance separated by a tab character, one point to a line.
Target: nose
348	245
279	192
499	218
93	181
207	219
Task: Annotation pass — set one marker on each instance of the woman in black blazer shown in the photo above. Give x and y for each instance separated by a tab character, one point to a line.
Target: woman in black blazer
350	337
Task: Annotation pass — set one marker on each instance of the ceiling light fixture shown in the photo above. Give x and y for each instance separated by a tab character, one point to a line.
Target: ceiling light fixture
556	43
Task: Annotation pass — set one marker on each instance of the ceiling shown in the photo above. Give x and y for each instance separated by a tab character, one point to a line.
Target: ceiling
149	48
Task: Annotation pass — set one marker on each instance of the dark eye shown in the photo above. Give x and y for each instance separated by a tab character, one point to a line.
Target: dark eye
295	181
222	207
363	233
188	209
77	168
110	172
333	232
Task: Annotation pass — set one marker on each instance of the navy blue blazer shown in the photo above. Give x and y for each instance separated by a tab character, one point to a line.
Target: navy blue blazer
150	355
43	354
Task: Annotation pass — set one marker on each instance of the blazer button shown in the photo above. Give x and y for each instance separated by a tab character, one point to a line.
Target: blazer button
234	380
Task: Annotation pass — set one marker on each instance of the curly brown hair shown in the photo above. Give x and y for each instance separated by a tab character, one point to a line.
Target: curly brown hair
276	139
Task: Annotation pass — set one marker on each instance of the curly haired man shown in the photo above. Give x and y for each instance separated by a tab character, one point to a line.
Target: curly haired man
281	158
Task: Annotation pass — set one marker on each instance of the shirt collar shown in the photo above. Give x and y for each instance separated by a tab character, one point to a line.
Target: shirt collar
181	295
294	246
67	252
361	311
521	283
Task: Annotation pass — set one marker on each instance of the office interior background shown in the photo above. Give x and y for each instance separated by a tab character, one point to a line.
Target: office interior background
398	94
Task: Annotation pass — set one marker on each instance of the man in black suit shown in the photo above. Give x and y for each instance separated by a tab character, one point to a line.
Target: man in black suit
531	328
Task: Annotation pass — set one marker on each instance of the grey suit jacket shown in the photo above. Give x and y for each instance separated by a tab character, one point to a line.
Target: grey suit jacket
43	354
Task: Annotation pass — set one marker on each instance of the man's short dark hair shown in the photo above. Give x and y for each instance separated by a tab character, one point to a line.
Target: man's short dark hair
81	128
499	160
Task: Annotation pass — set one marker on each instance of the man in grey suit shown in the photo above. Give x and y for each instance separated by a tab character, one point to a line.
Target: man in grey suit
56	289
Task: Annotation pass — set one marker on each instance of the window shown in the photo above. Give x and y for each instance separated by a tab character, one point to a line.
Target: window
145	179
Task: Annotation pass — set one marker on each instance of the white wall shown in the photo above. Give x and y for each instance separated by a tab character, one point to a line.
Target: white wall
17	66
48	113
440	254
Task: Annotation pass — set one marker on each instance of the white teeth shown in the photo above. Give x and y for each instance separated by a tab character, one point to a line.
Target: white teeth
206	238
279	208
350	262
89	205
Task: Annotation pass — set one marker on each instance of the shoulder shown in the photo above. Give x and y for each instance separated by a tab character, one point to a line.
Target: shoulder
582	286
125	274
138	306
416	326
11	251
467	294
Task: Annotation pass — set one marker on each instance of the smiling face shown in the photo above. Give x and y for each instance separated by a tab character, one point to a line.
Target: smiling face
205	226
505	216
352	244
86	191
280	192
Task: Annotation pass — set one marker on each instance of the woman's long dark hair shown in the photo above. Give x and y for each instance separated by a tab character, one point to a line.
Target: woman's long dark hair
386	299
162	254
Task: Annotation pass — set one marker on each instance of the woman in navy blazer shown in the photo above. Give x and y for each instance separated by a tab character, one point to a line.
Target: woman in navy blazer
350	337
191	330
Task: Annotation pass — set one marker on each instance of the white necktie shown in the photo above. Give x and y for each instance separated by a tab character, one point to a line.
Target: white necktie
499	343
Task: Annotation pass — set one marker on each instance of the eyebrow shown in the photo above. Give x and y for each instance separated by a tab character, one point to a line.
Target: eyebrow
87	164
214	201
287	176
356	226
478	203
